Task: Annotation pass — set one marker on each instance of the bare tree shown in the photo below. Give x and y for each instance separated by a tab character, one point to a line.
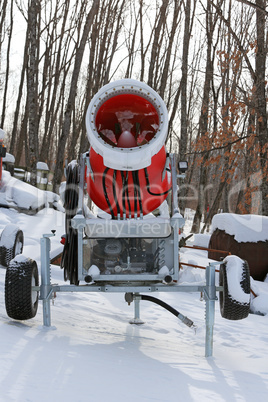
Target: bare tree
204	118
103	45
34	11
3	8
14	133
157	38
260	80
58	71
10	31
72	94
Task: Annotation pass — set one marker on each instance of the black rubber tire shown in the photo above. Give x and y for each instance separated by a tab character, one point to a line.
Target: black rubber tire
232	309
15	236
21	302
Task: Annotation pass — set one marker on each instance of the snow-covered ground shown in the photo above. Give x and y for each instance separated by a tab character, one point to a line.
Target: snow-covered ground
92	353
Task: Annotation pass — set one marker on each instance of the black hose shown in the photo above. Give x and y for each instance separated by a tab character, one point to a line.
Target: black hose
148	185
137	185
135	194
114	193
172	310
69	261
71	194
70	257
123	192
105	191
127	193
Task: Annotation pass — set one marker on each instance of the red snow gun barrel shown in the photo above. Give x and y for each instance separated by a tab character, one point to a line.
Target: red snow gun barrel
2	150
127	124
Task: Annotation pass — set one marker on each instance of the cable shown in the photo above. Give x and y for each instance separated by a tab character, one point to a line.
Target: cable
123	192
114	193
172	310
137	185
105	191
148	185
128	200
135	195
69	261
71	194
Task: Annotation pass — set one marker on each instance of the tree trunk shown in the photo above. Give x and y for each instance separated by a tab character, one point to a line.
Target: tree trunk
262	128
32	85
13	147
53	105
23	139
8	65
71	98
203	122
184	76
155	45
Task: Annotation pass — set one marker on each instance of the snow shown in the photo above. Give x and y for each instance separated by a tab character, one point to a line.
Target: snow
164	209
73	164
234	270
92	353
94	271
19	258
14	192
164	271
200	240
259	305
245	228
8	235
41	166
9	158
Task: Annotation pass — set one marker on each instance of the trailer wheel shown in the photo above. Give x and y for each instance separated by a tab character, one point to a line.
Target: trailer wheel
20	299
230	308
11	243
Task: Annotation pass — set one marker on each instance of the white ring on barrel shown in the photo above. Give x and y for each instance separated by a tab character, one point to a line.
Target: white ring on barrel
127	158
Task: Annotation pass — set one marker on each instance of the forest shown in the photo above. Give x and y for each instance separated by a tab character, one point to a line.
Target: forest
206	58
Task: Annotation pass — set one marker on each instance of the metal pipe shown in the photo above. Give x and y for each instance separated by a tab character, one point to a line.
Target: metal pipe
175	207
45	289
210	297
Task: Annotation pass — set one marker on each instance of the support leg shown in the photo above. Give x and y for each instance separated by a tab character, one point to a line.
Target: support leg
136	319
45	279
210	297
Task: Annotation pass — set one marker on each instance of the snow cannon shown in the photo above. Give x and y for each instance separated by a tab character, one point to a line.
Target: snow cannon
127	125
132	237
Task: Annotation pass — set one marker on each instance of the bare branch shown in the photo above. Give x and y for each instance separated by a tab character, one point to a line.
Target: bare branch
249	3
242	50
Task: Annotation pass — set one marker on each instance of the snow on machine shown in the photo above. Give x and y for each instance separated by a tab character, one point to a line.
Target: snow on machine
11	237
128	174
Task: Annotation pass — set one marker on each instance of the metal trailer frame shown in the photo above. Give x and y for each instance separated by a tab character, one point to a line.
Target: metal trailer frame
79	222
